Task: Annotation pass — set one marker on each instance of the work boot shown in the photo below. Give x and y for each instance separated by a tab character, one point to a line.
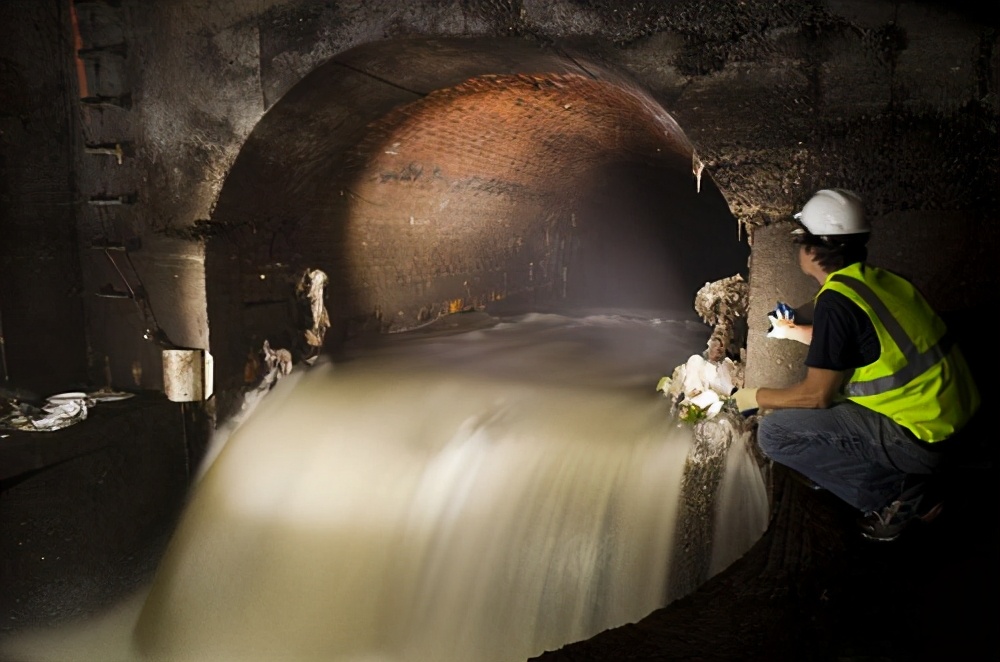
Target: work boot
887	524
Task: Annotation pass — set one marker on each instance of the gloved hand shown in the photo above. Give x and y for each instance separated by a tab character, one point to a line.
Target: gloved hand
746	399
782	319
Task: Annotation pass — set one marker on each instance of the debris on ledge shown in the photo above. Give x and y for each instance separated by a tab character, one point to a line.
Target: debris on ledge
699	392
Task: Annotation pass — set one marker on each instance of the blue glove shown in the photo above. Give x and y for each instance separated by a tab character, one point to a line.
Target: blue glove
784	311
782	318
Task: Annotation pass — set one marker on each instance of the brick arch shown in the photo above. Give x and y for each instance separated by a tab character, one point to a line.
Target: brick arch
492	179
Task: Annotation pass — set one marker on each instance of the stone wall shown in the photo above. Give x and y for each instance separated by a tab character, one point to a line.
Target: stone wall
896	100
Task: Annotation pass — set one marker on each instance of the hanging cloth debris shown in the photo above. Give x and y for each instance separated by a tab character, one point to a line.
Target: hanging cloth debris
311	287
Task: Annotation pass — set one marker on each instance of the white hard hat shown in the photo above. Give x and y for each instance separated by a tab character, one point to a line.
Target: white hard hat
833	211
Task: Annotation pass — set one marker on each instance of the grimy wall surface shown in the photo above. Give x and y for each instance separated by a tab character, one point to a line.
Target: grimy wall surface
125	123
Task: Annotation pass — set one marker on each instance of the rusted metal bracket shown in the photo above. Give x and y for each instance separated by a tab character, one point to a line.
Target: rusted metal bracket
116	150
119	50
124	101
108	291
105	201
104	244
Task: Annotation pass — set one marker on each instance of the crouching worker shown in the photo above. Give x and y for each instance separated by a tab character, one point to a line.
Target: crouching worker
885	387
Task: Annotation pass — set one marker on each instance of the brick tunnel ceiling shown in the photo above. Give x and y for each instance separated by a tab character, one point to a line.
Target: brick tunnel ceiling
558	187
494	161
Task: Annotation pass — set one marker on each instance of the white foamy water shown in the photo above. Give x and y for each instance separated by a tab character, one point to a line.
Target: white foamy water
481	491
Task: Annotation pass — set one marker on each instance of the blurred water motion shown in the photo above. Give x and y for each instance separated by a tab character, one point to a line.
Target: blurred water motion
482	490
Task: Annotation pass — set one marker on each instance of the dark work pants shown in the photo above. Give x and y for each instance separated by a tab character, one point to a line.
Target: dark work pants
861	456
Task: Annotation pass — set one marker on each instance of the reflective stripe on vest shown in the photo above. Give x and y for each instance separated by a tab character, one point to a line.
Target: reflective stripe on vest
916	362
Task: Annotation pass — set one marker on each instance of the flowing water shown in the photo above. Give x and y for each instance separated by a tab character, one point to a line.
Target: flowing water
482	490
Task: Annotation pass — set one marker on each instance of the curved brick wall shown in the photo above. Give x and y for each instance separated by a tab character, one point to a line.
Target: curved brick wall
555	185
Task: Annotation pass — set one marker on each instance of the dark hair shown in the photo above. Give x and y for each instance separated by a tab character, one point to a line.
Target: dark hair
833	252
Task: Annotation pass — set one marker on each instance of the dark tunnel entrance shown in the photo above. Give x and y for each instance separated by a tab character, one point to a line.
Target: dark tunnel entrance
650	240
433	176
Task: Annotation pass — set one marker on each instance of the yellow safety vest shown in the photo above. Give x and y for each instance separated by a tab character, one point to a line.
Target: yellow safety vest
920	379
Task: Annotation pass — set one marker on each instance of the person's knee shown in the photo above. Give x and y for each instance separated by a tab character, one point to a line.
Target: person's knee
770	436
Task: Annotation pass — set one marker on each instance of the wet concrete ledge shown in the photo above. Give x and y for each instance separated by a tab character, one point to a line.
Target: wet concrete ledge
86	511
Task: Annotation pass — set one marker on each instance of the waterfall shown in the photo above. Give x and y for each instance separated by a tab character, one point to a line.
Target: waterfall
479	493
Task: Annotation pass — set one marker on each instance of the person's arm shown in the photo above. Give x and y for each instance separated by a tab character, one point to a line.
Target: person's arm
817	390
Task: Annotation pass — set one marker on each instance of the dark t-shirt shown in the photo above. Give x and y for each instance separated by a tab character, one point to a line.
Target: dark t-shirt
843	336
